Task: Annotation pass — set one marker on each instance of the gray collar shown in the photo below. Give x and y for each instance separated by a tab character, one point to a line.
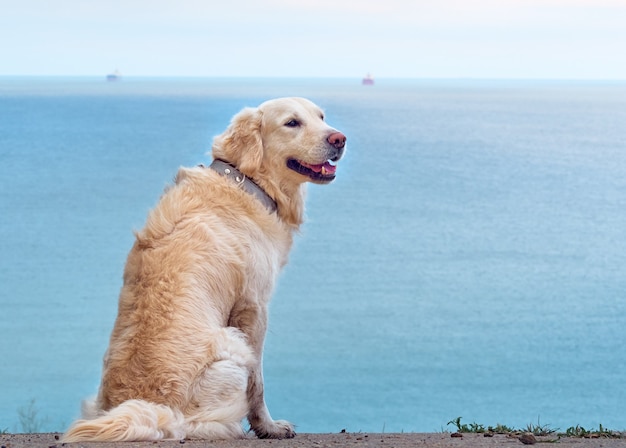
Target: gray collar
227	170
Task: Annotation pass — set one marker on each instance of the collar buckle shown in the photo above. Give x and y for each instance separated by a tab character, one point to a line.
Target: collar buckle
227	170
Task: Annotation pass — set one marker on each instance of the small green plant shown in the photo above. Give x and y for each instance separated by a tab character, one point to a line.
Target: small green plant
539	429
471	428
602	432
576	431
536	429
30	421
500	429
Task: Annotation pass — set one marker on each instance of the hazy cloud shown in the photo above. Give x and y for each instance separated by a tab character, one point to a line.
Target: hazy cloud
482	38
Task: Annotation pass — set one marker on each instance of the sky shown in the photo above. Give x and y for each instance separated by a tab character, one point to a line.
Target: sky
545	39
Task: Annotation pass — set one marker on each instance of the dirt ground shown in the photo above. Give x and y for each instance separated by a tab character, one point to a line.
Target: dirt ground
352	440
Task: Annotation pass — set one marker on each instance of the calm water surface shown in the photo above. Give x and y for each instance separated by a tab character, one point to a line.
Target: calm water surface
469	260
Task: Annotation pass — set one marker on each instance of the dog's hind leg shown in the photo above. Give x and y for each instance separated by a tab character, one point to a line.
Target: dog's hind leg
218	400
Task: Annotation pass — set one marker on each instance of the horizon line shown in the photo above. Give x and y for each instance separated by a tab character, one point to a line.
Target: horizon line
342	77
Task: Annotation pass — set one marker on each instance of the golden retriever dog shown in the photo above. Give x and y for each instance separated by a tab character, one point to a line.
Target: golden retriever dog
185	354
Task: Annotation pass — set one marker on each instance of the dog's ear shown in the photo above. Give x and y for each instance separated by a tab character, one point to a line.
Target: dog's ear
241	143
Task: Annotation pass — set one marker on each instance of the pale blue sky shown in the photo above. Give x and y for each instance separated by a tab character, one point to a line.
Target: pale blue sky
566	39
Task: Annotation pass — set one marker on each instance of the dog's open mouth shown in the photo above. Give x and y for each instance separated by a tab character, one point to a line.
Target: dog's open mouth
324	172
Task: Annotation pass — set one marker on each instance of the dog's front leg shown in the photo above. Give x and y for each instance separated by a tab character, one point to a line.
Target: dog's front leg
253	322
259	417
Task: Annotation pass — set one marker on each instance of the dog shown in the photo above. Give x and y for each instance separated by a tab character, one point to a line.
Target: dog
185	354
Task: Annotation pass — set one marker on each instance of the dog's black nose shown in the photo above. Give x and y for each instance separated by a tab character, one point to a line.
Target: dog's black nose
337	139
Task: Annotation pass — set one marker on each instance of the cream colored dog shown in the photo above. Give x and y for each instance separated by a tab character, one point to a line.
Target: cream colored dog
184	359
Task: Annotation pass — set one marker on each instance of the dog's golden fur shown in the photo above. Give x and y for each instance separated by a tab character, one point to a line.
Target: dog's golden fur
184	359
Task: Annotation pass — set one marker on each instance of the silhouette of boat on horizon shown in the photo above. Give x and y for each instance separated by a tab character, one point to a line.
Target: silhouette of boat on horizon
115	76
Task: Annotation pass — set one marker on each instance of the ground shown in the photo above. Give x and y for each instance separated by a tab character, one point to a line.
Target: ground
352	440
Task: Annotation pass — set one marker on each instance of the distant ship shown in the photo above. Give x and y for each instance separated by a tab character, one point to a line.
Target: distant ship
115	76
368	80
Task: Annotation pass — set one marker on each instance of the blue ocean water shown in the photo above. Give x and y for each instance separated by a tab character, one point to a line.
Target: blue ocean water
469	260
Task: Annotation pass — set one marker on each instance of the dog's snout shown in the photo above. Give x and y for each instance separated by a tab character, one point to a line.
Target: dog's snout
337	139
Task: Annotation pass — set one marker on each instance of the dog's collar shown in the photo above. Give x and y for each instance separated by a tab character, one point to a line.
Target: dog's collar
227	170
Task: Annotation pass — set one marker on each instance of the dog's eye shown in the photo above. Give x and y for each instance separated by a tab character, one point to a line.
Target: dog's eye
322	117
292	123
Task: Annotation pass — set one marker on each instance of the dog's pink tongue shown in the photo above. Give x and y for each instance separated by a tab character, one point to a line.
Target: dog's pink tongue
326	167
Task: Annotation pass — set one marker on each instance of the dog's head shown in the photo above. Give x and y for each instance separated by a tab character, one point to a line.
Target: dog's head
284	141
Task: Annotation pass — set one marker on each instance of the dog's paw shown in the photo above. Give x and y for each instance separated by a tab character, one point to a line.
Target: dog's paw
277	429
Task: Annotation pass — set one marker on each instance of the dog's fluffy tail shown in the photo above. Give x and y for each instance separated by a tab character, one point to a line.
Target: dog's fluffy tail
140	420
132	420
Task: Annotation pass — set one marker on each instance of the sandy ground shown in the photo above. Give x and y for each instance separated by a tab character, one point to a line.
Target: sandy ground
357	440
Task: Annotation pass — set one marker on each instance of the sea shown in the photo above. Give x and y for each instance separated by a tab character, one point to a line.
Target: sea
468	261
